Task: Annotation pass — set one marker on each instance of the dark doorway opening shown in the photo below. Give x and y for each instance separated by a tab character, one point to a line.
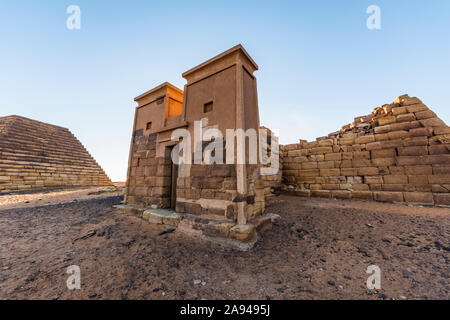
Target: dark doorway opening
173	183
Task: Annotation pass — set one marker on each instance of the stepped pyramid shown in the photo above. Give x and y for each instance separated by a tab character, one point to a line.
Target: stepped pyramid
35	155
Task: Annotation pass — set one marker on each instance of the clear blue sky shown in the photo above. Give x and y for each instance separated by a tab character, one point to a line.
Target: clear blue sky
320	66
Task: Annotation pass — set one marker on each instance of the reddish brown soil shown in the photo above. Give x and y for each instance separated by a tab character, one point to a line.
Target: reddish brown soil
320	249
31	199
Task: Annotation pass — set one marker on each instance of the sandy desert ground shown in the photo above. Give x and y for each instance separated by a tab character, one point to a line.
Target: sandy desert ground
319	249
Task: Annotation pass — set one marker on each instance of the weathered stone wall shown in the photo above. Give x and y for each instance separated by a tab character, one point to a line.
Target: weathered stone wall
272	182
200	190
212	190
398	153
35	155
150	176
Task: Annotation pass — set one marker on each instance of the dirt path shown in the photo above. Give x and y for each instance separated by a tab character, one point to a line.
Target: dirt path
320	249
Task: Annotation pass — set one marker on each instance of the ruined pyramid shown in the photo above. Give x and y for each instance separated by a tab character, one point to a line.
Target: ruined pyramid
36	155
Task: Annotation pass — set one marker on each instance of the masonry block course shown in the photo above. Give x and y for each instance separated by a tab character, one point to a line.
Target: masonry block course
398	153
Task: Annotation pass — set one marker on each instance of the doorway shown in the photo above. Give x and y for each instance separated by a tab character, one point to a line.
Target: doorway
173	183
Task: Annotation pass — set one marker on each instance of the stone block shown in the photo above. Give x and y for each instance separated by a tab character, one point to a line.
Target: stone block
365	139
321	150
294	153
368	171
406	100
383	162
439	179
374	146
162	181
376	187
321	193
292	146
316	157
329	172
303	193
442	199
444	139
230	184
349	171
363	195
439	149
162	170
360	187
441	169
361	163
422	115
401	134
436	188
243	233
398	110
333	157
419	170
220	229
416	108
361	155
441	130
192	193
384	153
419	132
341	194
415	142
382	129
347	155
330	186
326	165
437	159
193	208
199	170
406	117
326	142
213	183
381	137
222	170
395	179
386	120
432	122
413	151
309	165
346	141
148	216
309	173
388	196
418	179
397	187
344	164
423	188
292	166
419	197
373	179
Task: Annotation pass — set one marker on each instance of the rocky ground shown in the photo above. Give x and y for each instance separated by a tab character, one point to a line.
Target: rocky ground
34	198
319	249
